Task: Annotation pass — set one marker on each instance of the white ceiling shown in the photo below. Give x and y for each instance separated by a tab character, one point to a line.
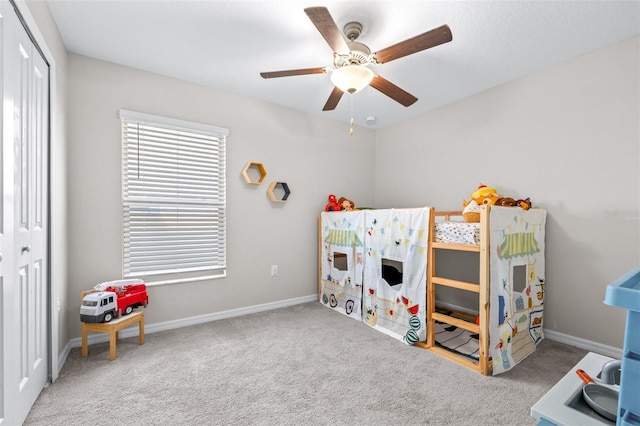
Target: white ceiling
226	44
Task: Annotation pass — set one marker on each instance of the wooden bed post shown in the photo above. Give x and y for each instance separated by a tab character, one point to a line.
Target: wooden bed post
431	291
320	257
485	280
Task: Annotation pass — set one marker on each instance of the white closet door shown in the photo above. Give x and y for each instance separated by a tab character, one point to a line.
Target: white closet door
24	245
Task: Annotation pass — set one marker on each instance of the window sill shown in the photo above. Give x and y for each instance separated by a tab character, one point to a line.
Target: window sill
154	283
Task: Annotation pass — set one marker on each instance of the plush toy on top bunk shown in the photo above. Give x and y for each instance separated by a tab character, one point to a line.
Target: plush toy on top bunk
346	204
486	195
482	196
336	205
332	205
510	202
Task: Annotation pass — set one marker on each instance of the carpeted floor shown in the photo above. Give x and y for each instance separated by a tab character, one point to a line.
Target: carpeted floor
303	365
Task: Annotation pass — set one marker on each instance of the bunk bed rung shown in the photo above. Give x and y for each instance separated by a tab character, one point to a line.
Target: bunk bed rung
462	285
469	326
454	246
460	359
446	215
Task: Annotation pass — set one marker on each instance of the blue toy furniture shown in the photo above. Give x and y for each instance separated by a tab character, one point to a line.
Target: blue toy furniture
625	293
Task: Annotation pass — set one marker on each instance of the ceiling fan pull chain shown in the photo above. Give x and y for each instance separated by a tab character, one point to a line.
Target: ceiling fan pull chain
352	120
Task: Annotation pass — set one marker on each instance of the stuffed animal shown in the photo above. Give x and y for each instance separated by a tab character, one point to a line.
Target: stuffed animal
510	202
332	205
525	204
485	195
471	212
346	204
481	196
506	202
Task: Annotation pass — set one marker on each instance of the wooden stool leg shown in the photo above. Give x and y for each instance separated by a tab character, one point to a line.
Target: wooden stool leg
113	337
141	329
85	346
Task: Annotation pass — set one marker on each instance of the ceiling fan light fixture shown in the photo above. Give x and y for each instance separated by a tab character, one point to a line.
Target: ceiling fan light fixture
352	78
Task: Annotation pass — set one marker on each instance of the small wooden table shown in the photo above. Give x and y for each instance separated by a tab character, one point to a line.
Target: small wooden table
112	328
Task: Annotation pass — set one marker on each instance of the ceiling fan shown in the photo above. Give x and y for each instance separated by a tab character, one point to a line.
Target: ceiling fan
351	59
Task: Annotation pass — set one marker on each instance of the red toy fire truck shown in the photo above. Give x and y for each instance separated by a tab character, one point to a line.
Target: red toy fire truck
111	299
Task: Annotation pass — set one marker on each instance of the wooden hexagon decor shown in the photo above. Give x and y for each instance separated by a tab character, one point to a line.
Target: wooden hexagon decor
254	166
282	190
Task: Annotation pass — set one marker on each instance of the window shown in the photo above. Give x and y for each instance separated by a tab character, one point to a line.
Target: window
340	261
392	271
519	278
174	198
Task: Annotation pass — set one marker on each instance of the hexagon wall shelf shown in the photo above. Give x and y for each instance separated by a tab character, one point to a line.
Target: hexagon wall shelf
280	187
252	167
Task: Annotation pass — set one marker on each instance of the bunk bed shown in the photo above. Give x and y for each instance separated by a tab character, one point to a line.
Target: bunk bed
491	337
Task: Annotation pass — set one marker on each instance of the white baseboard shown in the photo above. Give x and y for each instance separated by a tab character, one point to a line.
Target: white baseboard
588	345
185	322
62	358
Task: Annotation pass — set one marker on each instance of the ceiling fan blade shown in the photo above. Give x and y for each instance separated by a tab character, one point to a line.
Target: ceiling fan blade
391	90
323	21
431	38
289	73
333	100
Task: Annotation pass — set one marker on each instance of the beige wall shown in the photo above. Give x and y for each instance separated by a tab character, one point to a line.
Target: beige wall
568	137
314	156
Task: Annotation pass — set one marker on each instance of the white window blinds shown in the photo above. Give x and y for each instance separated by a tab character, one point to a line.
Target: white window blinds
173	186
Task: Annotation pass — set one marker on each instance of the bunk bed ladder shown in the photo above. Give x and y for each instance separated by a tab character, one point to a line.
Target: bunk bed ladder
483	365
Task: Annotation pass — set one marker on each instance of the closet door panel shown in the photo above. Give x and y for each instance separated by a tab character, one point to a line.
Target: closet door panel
25	128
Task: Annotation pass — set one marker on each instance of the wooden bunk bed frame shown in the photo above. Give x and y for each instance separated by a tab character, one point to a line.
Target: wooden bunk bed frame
460	319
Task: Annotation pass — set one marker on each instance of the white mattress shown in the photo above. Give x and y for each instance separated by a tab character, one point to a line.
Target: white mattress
457	232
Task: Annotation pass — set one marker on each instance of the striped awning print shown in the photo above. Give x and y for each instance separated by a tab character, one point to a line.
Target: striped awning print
344	238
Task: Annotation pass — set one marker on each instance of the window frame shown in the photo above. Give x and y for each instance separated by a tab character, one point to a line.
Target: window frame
131	203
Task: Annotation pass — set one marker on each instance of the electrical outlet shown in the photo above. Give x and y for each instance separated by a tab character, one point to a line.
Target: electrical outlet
274	270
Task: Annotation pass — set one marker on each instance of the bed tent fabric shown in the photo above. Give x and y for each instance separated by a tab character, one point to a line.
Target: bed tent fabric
396	308
517	298
367	239
342	261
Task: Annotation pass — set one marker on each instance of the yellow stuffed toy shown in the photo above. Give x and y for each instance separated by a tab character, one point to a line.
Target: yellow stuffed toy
481	196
